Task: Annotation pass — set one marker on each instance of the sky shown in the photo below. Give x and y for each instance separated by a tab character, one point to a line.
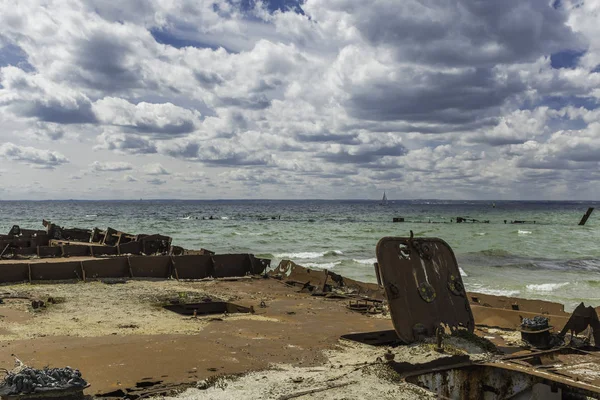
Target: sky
280	99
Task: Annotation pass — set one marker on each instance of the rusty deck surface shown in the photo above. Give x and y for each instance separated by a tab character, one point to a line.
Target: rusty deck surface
293	328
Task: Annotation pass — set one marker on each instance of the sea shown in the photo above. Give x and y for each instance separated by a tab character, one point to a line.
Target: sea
548	257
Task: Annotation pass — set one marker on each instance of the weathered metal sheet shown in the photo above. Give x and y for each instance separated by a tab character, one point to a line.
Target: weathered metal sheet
105	251
150	267
226	265
116	267
71	250
17	272
423	286
55	271
134	248
193	266
258	265
47	251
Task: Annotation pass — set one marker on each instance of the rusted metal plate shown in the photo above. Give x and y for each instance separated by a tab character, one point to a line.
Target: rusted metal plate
130	248
150	267
423	286
71	250
510	319
517	304
226	265
193	266
116	267
47	251
258	265
55	271
105	251
17	272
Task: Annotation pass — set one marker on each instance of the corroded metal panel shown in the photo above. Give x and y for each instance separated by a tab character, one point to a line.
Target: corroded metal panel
55	271
193	266
423	286
227	265
17	272
115	267
150	267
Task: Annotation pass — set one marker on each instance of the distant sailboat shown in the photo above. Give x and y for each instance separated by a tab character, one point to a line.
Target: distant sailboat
384	200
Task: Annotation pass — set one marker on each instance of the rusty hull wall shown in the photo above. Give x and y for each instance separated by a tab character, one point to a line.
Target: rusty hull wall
150	267
226	265
194	266
10	273
55	271
116	267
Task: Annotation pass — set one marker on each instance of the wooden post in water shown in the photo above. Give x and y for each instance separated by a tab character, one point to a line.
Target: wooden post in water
586	216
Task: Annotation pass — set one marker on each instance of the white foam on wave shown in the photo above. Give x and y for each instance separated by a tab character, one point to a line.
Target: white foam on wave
481	233
302	255
91	215
307	255
225	218
495	292
462	272
321	265
367	261
524	232
546	287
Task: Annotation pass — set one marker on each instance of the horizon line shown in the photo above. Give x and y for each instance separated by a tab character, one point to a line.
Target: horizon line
306	199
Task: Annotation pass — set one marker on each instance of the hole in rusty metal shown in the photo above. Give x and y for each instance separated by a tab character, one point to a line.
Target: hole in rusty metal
205	308
404	251
379	338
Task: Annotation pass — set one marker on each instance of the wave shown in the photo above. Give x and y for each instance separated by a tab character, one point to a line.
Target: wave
321	265
367	261
462	272
546	287
495	292
520	232
307	255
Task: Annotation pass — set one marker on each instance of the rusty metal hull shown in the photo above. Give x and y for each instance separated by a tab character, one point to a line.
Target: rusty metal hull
161	267
423	286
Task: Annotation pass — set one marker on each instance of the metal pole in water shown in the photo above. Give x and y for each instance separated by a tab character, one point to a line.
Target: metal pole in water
586	216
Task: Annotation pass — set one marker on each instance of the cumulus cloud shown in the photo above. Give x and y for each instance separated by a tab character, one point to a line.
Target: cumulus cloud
110	166
327	97
32	156
155	169
163	120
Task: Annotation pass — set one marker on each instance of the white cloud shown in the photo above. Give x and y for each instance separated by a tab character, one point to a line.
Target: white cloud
110	166
155	169
32	156
449	98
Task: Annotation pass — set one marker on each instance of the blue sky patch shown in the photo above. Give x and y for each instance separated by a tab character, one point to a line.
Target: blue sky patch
558	102
166	37
15	56
272	5
566	59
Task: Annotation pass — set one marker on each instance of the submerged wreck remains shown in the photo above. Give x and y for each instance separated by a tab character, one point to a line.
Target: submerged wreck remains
220	316
64	254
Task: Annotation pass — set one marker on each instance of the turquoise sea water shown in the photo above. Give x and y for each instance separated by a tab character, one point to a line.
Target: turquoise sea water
553	259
